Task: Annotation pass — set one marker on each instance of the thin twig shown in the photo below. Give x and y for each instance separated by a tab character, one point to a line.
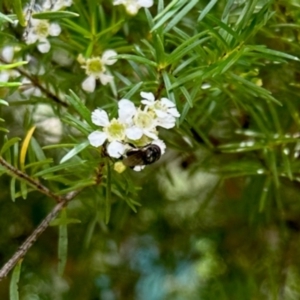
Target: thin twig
35	82
20	253
23	176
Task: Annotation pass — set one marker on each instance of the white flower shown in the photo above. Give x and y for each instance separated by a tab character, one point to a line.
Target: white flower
55	5
161	107
138	122
7	53
28	89
95	69
164	109
48	124
126	110
113	131
132	6
4	76
39	31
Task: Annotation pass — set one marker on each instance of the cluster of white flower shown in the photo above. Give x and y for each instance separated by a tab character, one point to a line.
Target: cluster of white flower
40	30
132	6
95	69
7	54
55	5
134	127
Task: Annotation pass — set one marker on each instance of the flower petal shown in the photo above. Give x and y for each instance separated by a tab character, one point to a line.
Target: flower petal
167	102
174	112
100	117
134	133
43	46
148	96
138	168
8	53
97	138
118	2
126	110
89	84
105	78
107	57
31	37
166	122
150	134
160	113
4	76
145	3
115	149
132	8
54	29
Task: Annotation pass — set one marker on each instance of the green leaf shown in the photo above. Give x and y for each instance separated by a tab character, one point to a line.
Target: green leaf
186	47
77	28
62	244
136	58
55	146
13	189
4	130
13	286
73	121
3	102
113	28
41	163
187	96
167	83
256	90
64	166
108	193
179	16
5	18
81	109
133	90
89	232
207	9
287	163
78	185
13	65
8	144
77	149
18	10
51	15
169	12
10	84
279	54
66	221
24	190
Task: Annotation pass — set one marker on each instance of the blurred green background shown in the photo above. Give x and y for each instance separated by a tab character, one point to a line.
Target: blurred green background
219	213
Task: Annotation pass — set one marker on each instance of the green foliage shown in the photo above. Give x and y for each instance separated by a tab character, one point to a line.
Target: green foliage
217	217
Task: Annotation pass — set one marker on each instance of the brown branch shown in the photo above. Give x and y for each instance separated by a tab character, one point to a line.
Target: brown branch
20	253
23	176
35	81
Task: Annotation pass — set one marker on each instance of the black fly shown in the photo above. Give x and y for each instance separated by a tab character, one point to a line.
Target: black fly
142	156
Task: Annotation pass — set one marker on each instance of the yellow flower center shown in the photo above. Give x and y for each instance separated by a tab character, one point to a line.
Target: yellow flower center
42	29
144	119
94	66
115	131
